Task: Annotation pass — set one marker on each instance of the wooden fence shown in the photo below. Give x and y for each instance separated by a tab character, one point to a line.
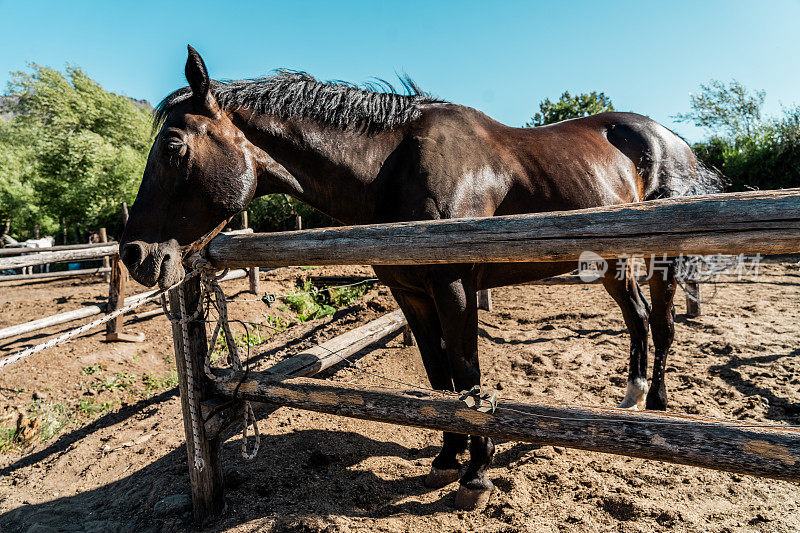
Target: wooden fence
754	222
117	278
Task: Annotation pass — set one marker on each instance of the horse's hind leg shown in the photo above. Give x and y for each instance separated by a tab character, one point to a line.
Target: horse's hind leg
635	311
662	326
420	312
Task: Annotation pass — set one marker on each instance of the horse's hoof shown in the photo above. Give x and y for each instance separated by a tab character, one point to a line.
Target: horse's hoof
635	395
472	499
441	477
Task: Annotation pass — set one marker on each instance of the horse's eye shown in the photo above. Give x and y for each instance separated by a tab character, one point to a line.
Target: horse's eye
174	145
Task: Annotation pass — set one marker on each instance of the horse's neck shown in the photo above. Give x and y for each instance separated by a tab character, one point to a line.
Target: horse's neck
330	169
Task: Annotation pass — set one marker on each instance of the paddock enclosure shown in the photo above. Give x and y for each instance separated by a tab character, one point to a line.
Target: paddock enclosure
543	344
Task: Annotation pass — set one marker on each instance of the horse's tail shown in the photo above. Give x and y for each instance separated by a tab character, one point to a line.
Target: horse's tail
683	174
701	179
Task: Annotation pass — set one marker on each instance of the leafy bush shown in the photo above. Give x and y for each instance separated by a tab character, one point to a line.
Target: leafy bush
751	152
768	158
276	212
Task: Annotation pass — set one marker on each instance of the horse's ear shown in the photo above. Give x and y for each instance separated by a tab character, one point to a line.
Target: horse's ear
197	76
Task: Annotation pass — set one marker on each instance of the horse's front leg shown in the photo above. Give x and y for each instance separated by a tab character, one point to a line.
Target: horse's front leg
456	305
422	318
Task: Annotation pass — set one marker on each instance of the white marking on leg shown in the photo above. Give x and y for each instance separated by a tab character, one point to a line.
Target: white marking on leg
635	394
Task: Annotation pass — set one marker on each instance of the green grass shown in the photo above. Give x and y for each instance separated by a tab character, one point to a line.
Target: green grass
157	384
346	295
7	438
53	417
309	304
91	407
243	339
278	323
313	302
92	369
117	382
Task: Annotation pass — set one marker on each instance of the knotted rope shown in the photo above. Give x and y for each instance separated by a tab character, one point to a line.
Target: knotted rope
211	291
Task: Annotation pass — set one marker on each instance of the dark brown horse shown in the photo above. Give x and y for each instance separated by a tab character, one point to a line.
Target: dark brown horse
363	157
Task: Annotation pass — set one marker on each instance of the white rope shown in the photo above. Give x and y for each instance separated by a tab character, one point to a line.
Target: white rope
210	286
61	339
195	419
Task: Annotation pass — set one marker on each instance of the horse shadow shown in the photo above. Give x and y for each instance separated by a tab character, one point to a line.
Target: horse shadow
297	476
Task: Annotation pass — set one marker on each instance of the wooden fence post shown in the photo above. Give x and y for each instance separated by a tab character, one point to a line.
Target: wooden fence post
118	280
408	336
106	264
208	497
692	298
252	273
485	300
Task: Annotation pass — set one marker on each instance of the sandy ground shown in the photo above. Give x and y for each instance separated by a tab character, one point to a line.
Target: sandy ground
119	449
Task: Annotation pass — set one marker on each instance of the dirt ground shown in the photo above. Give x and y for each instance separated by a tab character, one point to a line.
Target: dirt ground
106	436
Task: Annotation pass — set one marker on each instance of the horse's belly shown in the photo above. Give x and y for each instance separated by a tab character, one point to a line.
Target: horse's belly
501	274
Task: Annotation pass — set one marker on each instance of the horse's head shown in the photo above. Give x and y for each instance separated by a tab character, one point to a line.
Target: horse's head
200	172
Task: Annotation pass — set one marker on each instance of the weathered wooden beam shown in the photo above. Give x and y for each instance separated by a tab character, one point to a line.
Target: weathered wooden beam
765	222
59	274
61	318
42	258
20	250
745	448
485	300
208	493
329	353
116	296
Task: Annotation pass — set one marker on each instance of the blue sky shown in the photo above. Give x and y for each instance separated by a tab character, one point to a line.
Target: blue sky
500	57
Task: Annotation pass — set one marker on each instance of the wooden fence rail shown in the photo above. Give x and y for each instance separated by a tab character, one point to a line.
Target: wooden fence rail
42	258
84	312
751	222
58	274
691	440
19	250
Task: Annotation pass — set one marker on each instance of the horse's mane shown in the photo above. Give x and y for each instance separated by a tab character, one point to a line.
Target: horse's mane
289	94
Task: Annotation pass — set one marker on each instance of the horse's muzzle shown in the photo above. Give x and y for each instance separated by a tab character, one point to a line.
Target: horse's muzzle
151	263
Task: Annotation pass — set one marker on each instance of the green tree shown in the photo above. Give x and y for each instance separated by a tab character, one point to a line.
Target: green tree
723	108
752	152
76	150
769	158
569	106
17	197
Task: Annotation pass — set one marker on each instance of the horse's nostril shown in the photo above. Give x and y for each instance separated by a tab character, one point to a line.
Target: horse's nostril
131	255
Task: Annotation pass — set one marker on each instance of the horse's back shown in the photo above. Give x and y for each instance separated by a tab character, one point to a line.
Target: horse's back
659	156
